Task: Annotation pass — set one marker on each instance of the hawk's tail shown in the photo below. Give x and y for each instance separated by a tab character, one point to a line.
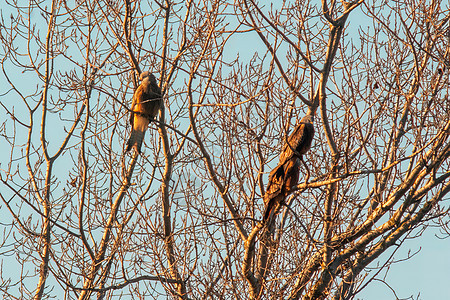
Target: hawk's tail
268	210
136	139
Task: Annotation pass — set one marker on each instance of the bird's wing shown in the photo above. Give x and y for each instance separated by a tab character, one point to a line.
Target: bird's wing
298	142
151	104
274	195
291	174
295	139
275	185
281	180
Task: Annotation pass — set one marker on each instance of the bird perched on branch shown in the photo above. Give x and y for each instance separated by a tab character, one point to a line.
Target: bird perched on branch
147	101
285	176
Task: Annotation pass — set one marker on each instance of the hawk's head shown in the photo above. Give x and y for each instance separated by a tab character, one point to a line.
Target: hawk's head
308	119
150	77
144	75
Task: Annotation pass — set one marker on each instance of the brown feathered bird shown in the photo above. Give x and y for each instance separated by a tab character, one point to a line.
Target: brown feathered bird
147	101
285	176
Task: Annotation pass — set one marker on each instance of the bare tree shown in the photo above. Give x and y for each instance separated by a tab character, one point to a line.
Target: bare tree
183	219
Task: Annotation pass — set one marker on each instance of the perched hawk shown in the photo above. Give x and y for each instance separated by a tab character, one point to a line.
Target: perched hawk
285	176
147	101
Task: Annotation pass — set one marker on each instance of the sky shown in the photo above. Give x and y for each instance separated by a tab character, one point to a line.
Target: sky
424	276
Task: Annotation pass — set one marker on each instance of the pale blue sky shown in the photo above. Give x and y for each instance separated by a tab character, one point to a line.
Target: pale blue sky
425	276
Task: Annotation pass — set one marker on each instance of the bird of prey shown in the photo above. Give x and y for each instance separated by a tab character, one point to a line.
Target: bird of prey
147	101
285	176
